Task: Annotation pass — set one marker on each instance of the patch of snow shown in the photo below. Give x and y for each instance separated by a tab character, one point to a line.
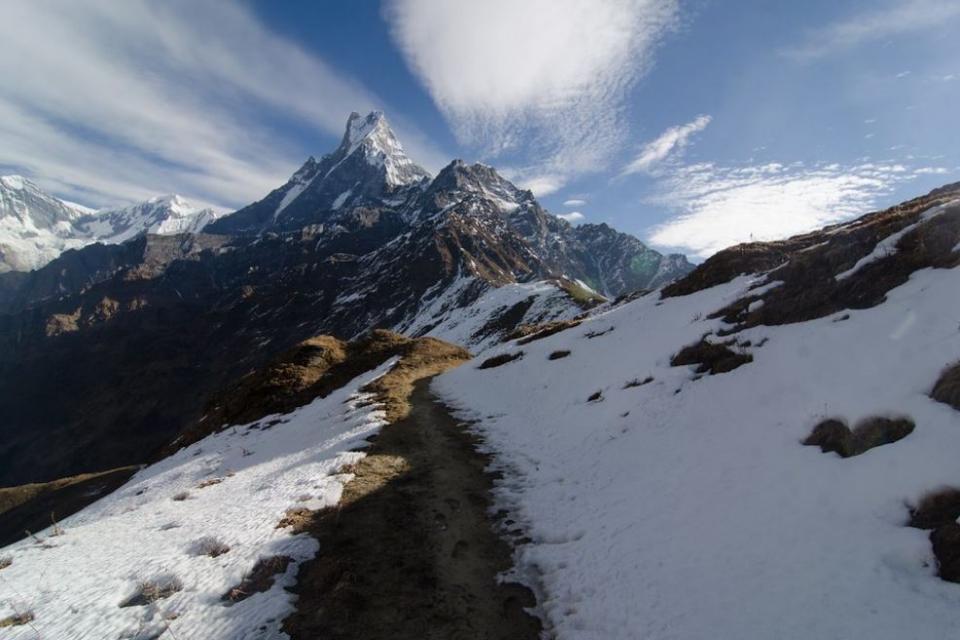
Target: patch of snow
341	199
75	582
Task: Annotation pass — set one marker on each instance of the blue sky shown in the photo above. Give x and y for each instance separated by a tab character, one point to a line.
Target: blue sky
692	124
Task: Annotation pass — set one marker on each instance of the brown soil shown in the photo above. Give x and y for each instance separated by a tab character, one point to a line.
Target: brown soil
34	507
410	552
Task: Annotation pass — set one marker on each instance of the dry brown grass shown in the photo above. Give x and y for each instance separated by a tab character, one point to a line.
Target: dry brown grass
150	591
947	389
527	333
500	360
209	546
17	620
11	497
180	497
556	355
5	562
946	548
834	435
637	382
209	482
260	578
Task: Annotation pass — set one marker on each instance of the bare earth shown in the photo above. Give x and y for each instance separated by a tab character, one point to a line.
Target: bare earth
410	553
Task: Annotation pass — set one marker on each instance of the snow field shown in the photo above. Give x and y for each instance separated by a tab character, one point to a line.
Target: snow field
156	526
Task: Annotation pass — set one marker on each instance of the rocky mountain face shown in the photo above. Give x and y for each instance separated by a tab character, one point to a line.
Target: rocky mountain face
35	227
116	348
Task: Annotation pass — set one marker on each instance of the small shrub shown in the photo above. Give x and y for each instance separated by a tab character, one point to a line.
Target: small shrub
596	396
946	548
500	360
712	358
180	497
17	620
556	355
5	562
936	509
833	435
209	546
637	382
947	389
149	591
529	333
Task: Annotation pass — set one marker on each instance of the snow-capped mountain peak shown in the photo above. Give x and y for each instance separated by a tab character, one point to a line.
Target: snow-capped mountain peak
36	227
372	134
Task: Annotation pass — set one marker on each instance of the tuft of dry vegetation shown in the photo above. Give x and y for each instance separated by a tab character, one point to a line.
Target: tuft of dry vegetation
947	388
297	518
946	548
209	482
209	546
180	497
500	360
590	335
712	358
527	333
936	509
5	562
938	512
556	355
150	591
260	578
17	620
637	382
834	435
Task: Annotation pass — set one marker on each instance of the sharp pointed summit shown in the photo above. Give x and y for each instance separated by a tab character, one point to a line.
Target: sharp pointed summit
369	168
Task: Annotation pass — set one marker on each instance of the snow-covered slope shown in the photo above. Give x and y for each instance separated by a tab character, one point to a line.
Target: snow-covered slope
227	491
36	227
664	503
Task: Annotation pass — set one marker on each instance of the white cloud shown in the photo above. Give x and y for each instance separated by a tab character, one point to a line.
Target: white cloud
928	171
546	78
115	101
722	206
894	18
574	202
671	140
572	217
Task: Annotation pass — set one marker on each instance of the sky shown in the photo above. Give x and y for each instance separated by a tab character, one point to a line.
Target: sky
692	124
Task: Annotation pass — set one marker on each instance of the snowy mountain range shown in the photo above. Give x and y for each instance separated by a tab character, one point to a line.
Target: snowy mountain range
36	227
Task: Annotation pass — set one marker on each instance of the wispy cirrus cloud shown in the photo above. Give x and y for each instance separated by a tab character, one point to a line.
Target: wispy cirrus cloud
719	206
891	18
548	75
666	144
574	202
108	101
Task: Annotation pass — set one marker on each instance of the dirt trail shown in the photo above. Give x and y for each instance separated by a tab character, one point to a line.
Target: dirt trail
410	552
